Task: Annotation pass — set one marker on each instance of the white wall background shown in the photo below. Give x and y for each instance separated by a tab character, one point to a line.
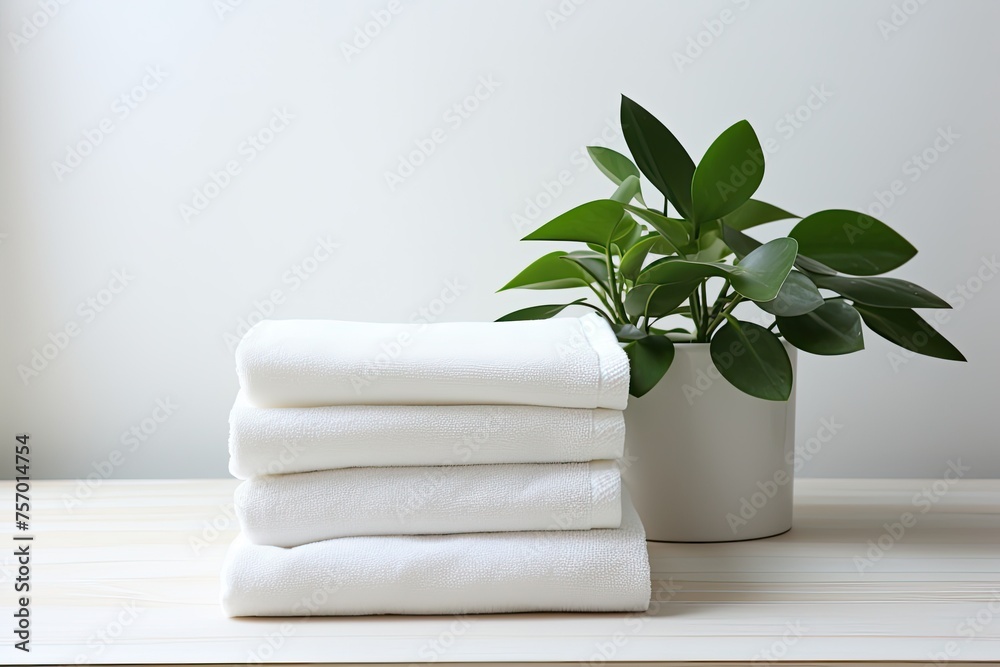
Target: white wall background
163	336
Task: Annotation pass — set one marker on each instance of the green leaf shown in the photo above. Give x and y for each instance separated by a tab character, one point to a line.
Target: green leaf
649	359
623	243
760	274
743	245
908	330
740	243
615	166
634	257
550	271
811	265
709	246
728	175
593	265
755	212
882	292
753	360
674	231
537	312
797	296
656	300
658	154
833	328
627	190
852	242
594	222
758	277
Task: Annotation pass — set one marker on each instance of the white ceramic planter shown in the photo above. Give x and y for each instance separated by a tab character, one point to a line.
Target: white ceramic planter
706	462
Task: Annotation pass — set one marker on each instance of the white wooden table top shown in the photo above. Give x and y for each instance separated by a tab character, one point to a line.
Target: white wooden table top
130	575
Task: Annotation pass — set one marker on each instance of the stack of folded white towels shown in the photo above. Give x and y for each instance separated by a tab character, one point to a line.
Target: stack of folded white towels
444	468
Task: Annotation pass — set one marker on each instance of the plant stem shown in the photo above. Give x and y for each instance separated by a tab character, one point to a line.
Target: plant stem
723	293
615	294
696	316
601	312
725	312
604	299
704	301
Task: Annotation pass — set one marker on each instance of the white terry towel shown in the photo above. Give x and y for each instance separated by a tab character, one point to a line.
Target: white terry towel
563	362
274	441
289	510
572	570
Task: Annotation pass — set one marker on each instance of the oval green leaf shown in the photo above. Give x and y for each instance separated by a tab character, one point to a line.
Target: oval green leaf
673	231
753	360
594	222
833	328
626	190
760	274
656	300
728	174
755	212
615	166
649	359
635	256
594	266
908	330
550	271
882	292
537	312
798	295
852	242
658	154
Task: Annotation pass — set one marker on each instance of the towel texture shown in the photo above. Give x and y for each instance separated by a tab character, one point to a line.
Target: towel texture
572	570
562	362
289	510
273	441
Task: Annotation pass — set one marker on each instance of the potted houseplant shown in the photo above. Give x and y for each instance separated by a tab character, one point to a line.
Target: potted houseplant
710	431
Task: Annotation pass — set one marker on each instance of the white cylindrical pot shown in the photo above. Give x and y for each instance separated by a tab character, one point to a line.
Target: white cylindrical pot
705	462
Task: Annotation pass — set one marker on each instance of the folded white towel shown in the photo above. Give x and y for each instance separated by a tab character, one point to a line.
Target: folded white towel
289	510
563	362
273	441
571	570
